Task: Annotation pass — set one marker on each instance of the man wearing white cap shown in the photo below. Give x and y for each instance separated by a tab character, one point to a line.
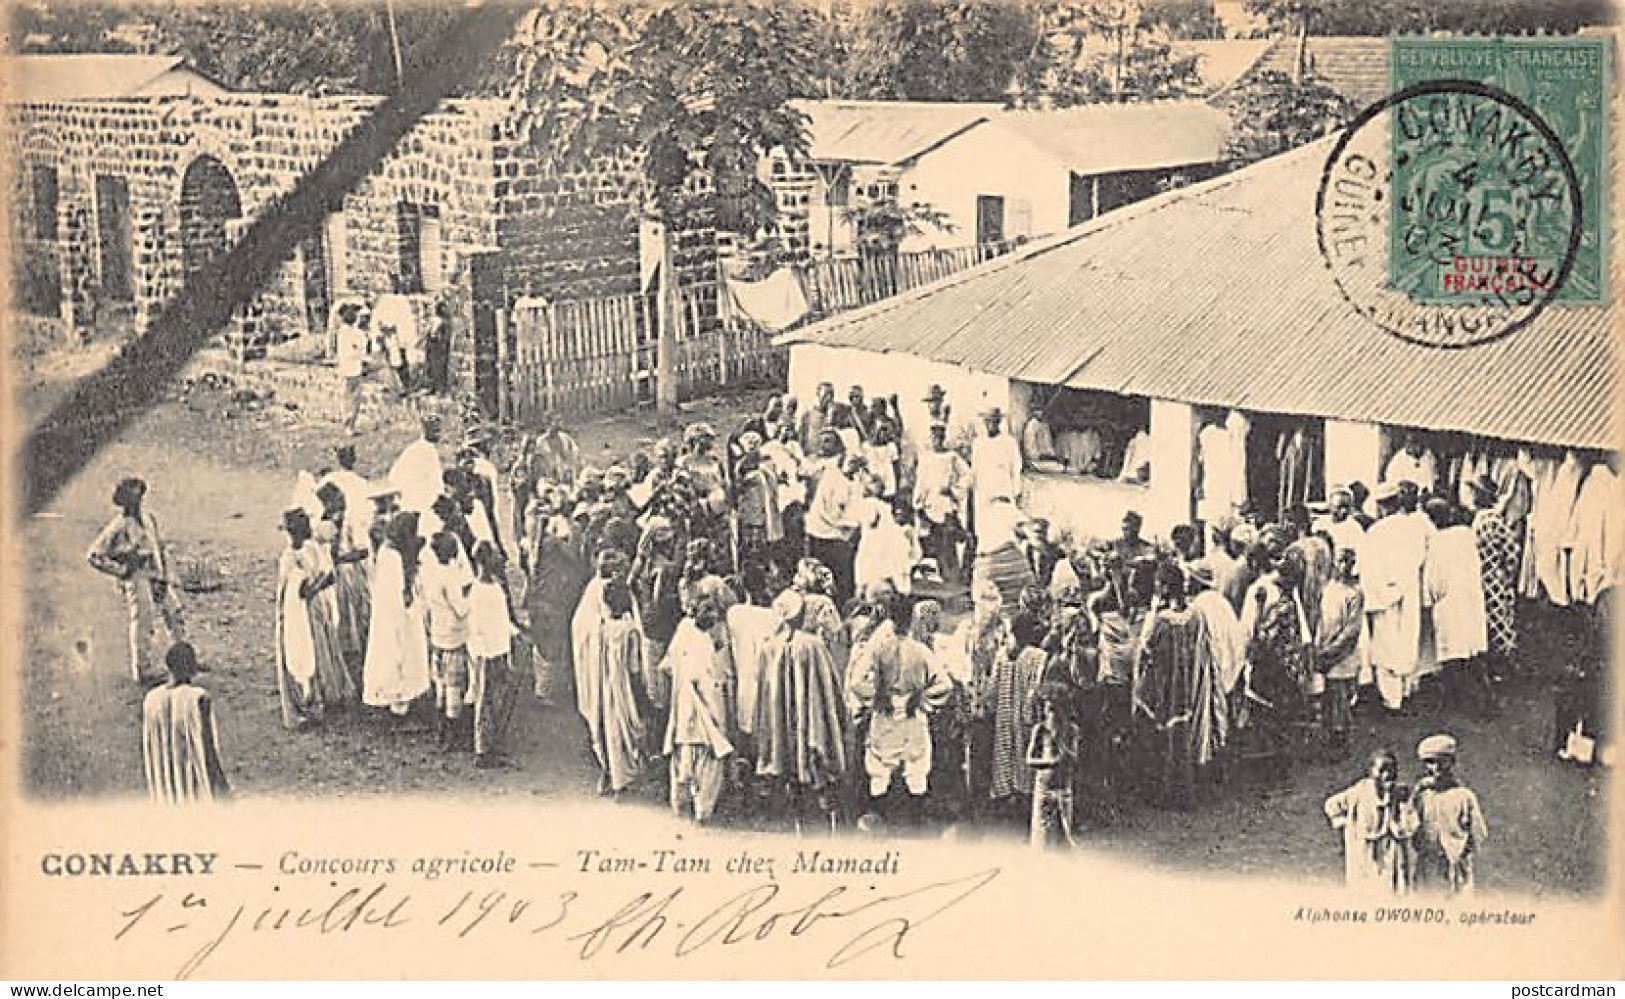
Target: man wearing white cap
995	466
1453	828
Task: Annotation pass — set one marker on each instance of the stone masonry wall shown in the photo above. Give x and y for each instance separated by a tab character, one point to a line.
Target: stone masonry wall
463	183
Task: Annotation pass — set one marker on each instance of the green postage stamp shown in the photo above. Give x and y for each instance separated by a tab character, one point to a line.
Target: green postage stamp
1501	185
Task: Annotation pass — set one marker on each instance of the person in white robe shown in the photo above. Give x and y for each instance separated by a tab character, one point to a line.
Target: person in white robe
180	740
310	670
1224	469
587	632
995	466
618	726
1038	443
418	472
396	671
1453	587
698	740
750	627
1596	535
1394	550
887	548
1136	459
1411	463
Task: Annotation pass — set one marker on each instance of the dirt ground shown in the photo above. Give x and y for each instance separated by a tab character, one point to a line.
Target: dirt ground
220	472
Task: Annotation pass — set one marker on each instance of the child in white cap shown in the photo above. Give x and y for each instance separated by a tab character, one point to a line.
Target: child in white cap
1453	829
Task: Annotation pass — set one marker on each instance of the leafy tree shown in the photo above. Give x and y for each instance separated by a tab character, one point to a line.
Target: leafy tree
923	50
1272	113
697	93
1108	50
312	46
1184	19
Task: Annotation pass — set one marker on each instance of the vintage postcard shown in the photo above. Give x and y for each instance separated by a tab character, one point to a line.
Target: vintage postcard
811	489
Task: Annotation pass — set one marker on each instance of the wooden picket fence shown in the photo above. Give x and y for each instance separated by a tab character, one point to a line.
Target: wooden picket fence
595	355
841	283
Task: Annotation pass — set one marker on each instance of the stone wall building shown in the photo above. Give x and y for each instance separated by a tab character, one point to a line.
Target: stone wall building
117	198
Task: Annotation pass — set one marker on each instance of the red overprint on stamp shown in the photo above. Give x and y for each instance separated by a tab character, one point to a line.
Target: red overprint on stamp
1494	275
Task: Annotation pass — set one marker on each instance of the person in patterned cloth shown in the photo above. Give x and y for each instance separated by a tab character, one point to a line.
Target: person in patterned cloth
1498	559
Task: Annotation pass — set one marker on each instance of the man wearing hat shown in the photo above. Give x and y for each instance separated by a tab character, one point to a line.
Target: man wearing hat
1391	560
995	467
1453	828
350	354
941	485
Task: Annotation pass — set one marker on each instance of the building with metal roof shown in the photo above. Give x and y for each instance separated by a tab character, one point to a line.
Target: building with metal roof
983	174
89	76
1354	66
885	133
1214	298
1220	62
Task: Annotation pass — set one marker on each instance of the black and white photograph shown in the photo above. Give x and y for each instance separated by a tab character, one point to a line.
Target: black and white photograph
1172	433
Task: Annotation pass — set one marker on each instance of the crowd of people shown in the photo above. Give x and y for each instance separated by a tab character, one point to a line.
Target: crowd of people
767	627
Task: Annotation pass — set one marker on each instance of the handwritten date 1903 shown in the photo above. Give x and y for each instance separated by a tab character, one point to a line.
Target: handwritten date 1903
857	920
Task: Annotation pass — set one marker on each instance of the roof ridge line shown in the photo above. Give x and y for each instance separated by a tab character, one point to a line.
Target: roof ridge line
1038	247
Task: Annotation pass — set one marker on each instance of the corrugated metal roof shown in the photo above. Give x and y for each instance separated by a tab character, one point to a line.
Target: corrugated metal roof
885	132
1221	62
1216	295
85	76
1354	66
1108	138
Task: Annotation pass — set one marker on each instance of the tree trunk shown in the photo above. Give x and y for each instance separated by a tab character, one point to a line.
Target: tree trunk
1117	67
1300	61
670	313
394	41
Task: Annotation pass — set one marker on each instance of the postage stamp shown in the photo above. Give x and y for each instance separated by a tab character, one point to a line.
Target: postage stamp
1374	223
1480	207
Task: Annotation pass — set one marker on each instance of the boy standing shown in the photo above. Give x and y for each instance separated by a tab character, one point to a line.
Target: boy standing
1378	822
1453	828
446	587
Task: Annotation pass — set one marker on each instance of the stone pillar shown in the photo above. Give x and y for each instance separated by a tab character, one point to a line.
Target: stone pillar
1353	453
1173	444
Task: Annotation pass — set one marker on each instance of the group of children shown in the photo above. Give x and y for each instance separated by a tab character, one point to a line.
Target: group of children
1396	838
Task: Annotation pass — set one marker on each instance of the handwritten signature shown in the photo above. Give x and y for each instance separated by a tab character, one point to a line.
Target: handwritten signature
860	918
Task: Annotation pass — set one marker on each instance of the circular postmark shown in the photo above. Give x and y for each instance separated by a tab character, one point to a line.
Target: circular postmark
1448	214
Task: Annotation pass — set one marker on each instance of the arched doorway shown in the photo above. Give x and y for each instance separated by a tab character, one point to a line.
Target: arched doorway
209	200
